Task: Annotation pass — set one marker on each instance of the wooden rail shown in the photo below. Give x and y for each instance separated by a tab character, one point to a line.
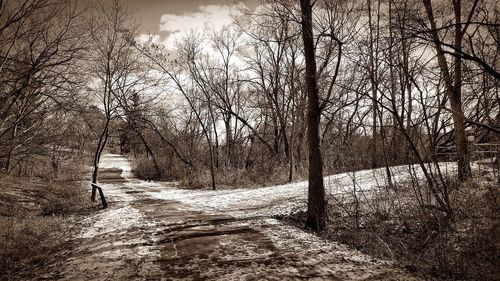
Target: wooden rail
477	150
101	194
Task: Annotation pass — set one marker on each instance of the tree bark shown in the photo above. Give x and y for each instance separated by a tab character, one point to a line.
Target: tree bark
317	205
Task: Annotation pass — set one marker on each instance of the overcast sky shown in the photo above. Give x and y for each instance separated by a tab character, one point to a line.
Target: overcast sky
165	17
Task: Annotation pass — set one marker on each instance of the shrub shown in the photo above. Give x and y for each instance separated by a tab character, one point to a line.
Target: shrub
144	168
259	174
391	224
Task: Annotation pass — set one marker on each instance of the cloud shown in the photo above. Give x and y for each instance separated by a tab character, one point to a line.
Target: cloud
147	38
215	16
212	15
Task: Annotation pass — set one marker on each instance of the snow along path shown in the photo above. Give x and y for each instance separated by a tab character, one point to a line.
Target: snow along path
156	232
283	199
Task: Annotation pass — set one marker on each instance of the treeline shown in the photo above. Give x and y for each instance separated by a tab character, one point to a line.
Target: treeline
396	79
228	106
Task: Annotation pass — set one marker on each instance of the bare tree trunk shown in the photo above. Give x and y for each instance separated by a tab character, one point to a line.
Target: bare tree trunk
453	87
229	141
464	170
316	205
291	162
149	151
215	154
373	81
212	168
101	144
97	155
496	139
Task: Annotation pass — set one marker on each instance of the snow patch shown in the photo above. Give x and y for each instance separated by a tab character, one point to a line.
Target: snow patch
283	199
112	220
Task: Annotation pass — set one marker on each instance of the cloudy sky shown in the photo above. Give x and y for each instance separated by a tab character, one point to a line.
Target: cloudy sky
166	18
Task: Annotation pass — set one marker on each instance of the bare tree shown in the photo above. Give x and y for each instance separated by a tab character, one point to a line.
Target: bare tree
110	62
39	49
453	80
186	88
316	204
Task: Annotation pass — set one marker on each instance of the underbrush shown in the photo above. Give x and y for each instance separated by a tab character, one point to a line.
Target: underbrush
390	224
144	168
237	178
259	175
68	168
33	220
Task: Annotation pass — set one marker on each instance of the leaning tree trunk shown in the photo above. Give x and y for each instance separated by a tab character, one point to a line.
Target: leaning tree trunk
453	88
316	205
101	144
150	152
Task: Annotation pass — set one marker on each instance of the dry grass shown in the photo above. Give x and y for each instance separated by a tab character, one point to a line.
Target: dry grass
391	225
33	221
263	174
238	178
26	242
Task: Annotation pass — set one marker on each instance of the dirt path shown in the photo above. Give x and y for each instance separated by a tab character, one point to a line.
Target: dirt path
147	234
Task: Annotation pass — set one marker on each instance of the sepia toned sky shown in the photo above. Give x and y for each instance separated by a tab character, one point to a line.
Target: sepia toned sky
163	17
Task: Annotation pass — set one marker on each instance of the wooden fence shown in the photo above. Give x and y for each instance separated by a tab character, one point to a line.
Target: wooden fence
477	151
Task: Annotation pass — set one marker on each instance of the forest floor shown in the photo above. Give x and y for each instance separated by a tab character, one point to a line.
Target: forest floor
158	231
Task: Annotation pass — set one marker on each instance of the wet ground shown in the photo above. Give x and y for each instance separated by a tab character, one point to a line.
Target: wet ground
146	234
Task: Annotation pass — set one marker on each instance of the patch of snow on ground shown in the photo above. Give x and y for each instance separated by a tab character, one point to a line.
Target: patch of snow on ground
118	216
128	238
116	161
112	220
283	199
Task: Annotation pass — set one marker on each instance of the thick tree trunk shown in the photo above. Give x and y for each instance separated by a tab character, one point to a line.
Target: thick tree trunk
316	205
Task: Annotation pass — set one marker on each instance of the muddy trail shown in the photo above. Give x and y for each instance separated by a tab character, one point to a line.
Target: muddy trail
147	234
